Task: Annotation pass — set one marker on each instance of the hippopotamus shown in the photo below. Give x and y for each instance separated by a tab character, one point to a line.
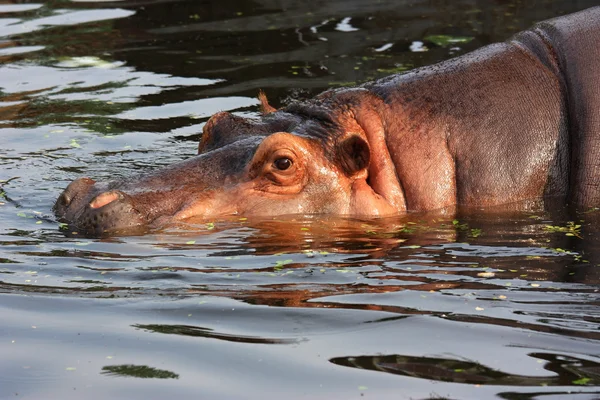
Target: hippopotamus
508	122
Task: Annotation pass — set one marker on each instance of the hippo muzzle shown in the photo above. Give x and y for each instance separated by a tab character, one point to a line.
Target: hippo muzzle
95	211
133	205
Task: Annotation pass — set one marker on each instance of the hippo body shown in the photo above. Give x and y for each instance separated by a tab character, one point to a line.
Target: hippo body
509	122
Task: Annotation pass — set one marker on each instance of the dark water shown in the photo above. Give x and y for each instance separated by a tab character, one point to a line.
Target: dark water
495	305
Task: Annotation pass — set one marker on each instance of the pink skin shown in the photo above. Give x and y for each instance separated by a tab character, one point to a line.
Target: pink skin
103	199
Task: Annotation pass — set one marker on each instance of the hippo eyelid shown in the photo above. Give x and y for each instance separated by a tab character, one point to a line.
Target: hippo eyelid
65	199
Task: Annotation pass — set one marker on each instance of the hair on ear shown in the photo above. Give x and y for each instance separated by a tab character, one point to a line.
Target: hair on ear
354	155
265	107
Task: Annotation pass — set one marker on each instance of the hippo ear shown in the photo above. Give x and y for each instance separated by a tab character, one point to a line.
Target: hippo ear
265	107
354	156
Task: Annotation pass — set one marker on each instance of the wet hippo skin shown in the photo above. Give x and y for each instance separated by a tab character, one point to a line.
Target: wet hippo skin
509	122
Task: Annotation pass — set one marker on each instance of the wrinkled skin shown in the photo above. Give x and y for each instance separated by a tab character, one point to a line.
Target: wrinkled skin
511	121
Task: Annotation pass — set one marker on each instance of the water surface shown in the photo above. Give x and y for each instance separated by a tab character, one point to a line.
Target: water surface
493	304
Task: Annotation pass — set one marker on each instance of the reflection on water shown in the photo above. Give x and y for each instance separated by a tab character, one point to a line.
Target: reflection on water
569	370
206	332
138	371
492	304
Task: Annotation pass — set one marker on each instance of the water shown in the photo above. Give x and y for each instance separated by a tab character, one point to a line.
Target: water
497	304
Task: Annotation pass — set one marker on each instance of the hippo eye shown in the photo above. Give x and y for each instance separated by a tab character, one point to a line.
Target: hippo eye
282	163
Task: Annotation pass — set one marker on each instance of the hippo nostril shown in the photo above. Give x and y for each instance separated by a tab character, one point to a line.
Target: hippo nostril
65	199
71	196
77	188
106	198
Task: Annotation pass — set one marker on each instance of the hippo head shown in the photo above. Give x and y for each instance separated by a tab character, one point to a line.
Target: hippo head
304	159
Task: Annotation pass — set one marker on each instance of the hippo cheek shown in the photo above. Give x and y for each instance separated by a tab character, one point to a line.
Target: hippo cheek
109	213
207	205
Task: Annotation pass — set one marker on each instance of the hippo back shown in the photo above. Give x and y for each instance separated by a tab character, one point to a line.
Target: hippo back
572	44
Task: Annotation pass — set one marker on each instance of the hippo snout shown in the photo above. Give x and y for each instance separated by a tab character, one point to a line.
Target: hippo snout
91	210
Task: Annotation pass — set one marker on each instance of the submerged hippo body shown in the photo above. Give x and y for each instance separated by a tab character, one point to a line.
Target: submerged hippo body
509	122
